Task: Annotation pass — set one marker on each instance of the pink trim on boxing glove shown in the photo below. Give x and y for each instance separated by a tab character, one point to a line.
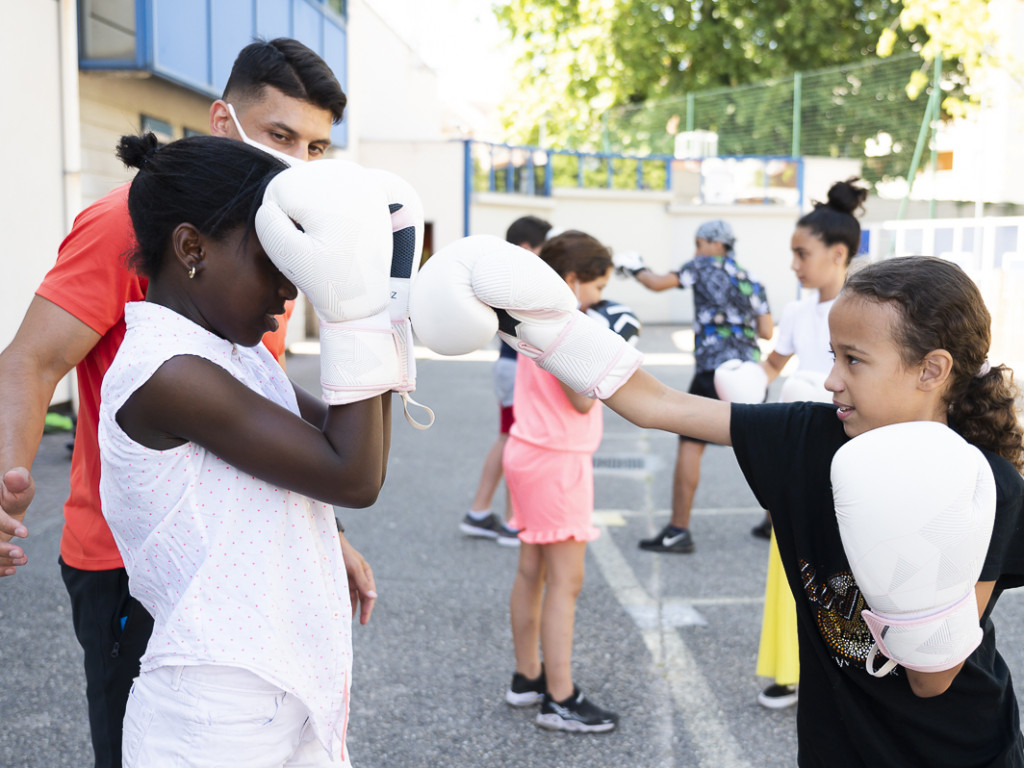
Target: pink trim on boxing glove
954	630
582	346
359	359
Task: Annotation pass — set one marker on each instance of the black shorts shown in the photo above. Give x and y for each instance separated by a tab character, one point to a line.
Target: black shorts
99	603
703	385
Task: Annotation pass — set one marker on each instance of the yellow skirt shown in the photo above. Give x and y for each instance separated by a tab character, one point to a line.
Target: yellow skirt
778	655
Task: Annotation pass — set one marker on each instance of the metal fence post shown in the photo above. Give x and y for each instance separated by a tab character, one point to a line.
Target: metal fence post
922	138
798	80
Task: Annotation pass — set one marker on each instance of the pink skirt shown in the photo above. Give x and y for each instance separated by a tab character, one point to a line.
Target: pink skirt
552	493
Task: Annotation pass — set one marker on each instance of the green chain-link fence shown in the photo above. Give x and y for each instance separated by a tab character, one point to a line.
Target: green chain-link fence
859	110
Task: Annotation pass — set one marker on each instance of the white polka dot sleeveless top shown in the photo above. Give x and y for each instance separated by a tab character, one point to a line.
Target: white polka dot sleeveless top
234	571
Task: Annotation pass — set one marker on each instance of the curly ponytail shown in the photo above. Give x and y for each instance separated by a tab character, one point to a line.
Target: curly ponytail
983	411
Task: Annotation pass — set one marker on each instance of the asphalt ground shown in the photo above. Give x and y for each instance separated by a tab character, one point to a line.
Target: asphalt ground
668	641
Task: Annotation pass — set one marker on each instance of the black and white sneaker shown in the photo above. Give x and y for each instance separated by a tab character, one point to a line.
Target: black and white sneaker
575	714
491	527
524	692
670	539
777	696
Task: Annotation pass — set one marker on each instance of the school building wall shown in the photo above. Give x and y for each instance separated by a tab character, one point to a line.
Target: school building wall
32	199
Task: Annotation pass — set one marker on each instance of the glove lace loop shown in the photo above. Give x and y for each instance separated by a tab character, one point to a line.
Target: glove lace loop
406	400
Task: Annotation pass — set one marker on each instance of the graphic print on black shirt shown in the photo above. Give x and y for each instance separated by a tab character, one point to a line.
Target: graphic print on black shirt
836	602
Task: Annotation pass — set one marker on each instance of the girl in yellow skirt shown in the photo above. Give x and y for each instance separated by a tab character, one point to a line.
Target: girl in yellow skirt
823	243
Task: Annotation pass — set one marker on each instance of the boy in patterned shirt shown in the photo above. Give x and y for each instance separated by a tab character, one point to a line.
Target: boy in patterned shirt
730	312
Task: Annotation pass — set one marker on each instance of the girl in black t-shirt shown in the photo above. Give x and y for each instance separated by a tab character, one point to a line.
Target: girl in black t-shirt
910	337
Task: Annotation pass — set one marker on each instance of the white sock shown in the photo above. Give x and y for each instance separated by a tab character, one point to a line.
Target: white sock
479	514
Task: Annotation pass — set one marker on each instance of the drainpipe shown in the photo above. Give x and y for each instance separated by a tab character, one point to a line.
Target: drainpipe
71	141
70	117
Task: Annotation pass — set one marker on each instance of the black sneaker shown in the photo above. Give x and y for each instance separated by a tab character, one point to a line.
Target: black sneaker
762	530
575	714
491	527
777	696
524	692
670	539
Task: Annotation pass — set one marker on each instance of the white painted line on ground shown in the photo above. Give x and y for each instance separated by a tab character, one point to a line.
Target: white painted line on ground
609	519
660	513
693	696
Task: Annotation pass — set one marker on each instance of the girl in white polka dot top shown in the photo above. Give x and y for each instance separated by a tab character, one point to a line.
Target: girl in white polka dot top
219	475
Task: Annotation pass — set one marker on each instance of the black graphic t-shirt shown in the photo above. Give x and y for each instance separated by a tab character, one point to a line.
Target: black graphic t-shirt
847	717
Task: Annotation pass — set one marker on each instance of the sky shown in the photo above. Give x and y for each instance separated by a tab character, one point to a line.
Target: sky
460	39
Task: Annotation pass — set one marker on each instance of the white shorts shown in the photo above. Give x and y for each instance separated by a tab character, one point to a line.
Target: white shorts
504	374
212	717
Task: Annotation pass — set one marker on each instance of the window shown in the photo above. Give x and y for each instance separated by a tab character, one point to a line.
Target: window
164	131
338	6
106	30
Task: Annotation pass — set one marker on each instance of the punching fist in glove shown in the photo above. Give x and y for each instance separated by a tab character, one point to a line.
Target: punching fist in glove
628	263
739	381
805	386
326	226
915	505
459	288
618	317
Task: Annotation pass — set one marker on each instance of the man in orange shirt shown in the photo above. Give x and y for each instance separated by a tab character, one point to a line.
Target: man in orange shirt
281	95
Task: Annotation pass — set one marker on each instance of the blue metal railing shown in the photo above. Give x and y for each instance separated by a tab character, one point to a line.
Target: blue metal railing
514	168
721	180
521	169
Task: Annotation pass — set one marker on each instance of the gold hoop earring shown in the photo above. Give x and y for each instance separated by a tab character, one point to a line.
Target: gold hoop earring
191	271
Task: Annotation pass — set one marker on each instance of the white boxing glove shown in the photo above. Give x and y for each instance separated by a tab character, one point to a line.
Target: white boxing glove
805	386
915	503
741	381
452	314
326	226
627	263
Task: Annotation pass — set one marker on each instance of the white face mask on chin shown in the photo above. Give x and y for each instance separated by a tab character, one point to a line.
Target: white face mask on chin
286	159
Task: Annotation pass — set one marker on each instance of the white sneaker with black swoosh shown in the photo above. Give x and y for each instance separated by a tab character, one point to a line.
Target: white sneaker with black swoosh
670	539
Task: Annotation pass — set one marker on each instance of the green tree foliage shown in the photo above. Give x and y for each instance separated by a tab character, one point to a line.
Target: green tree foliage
971	32
583	59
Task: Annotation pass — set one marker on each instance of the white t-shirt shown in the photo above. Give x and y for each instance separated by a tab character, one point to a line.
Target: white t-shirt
803	331
234	571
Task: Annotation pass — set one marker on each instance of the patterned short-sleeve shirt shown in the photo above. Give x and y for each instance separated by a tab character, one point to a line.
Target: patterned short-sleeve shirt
727	300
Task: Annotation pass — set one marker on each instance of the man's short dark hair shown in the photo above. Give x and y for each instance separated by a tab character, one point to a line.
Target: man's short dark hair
528	229
290	67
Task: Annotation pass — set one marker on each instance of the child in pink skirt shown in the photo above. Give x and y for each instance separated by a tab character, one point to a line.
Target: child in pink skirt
548	465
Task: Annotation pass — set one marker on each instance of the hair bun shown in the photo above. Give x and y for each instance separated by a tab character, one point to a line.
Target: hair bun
136	151
846	196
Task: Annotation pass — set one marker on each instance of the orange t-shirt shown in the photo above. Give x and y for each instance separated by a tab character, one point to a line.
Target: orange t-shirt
91	280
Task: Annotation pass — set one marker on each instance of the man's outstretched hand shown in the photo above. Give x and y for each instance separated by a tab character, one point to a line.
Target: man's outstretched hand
16	491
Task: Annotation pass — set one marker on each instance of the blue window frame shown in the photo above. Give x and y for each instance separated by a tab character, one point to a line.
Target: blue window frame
194	42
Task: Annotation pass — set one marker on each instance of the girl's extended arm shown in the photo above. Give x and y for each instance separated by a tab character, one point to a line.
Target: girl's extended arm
649	403
190	399
581	403
928	684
